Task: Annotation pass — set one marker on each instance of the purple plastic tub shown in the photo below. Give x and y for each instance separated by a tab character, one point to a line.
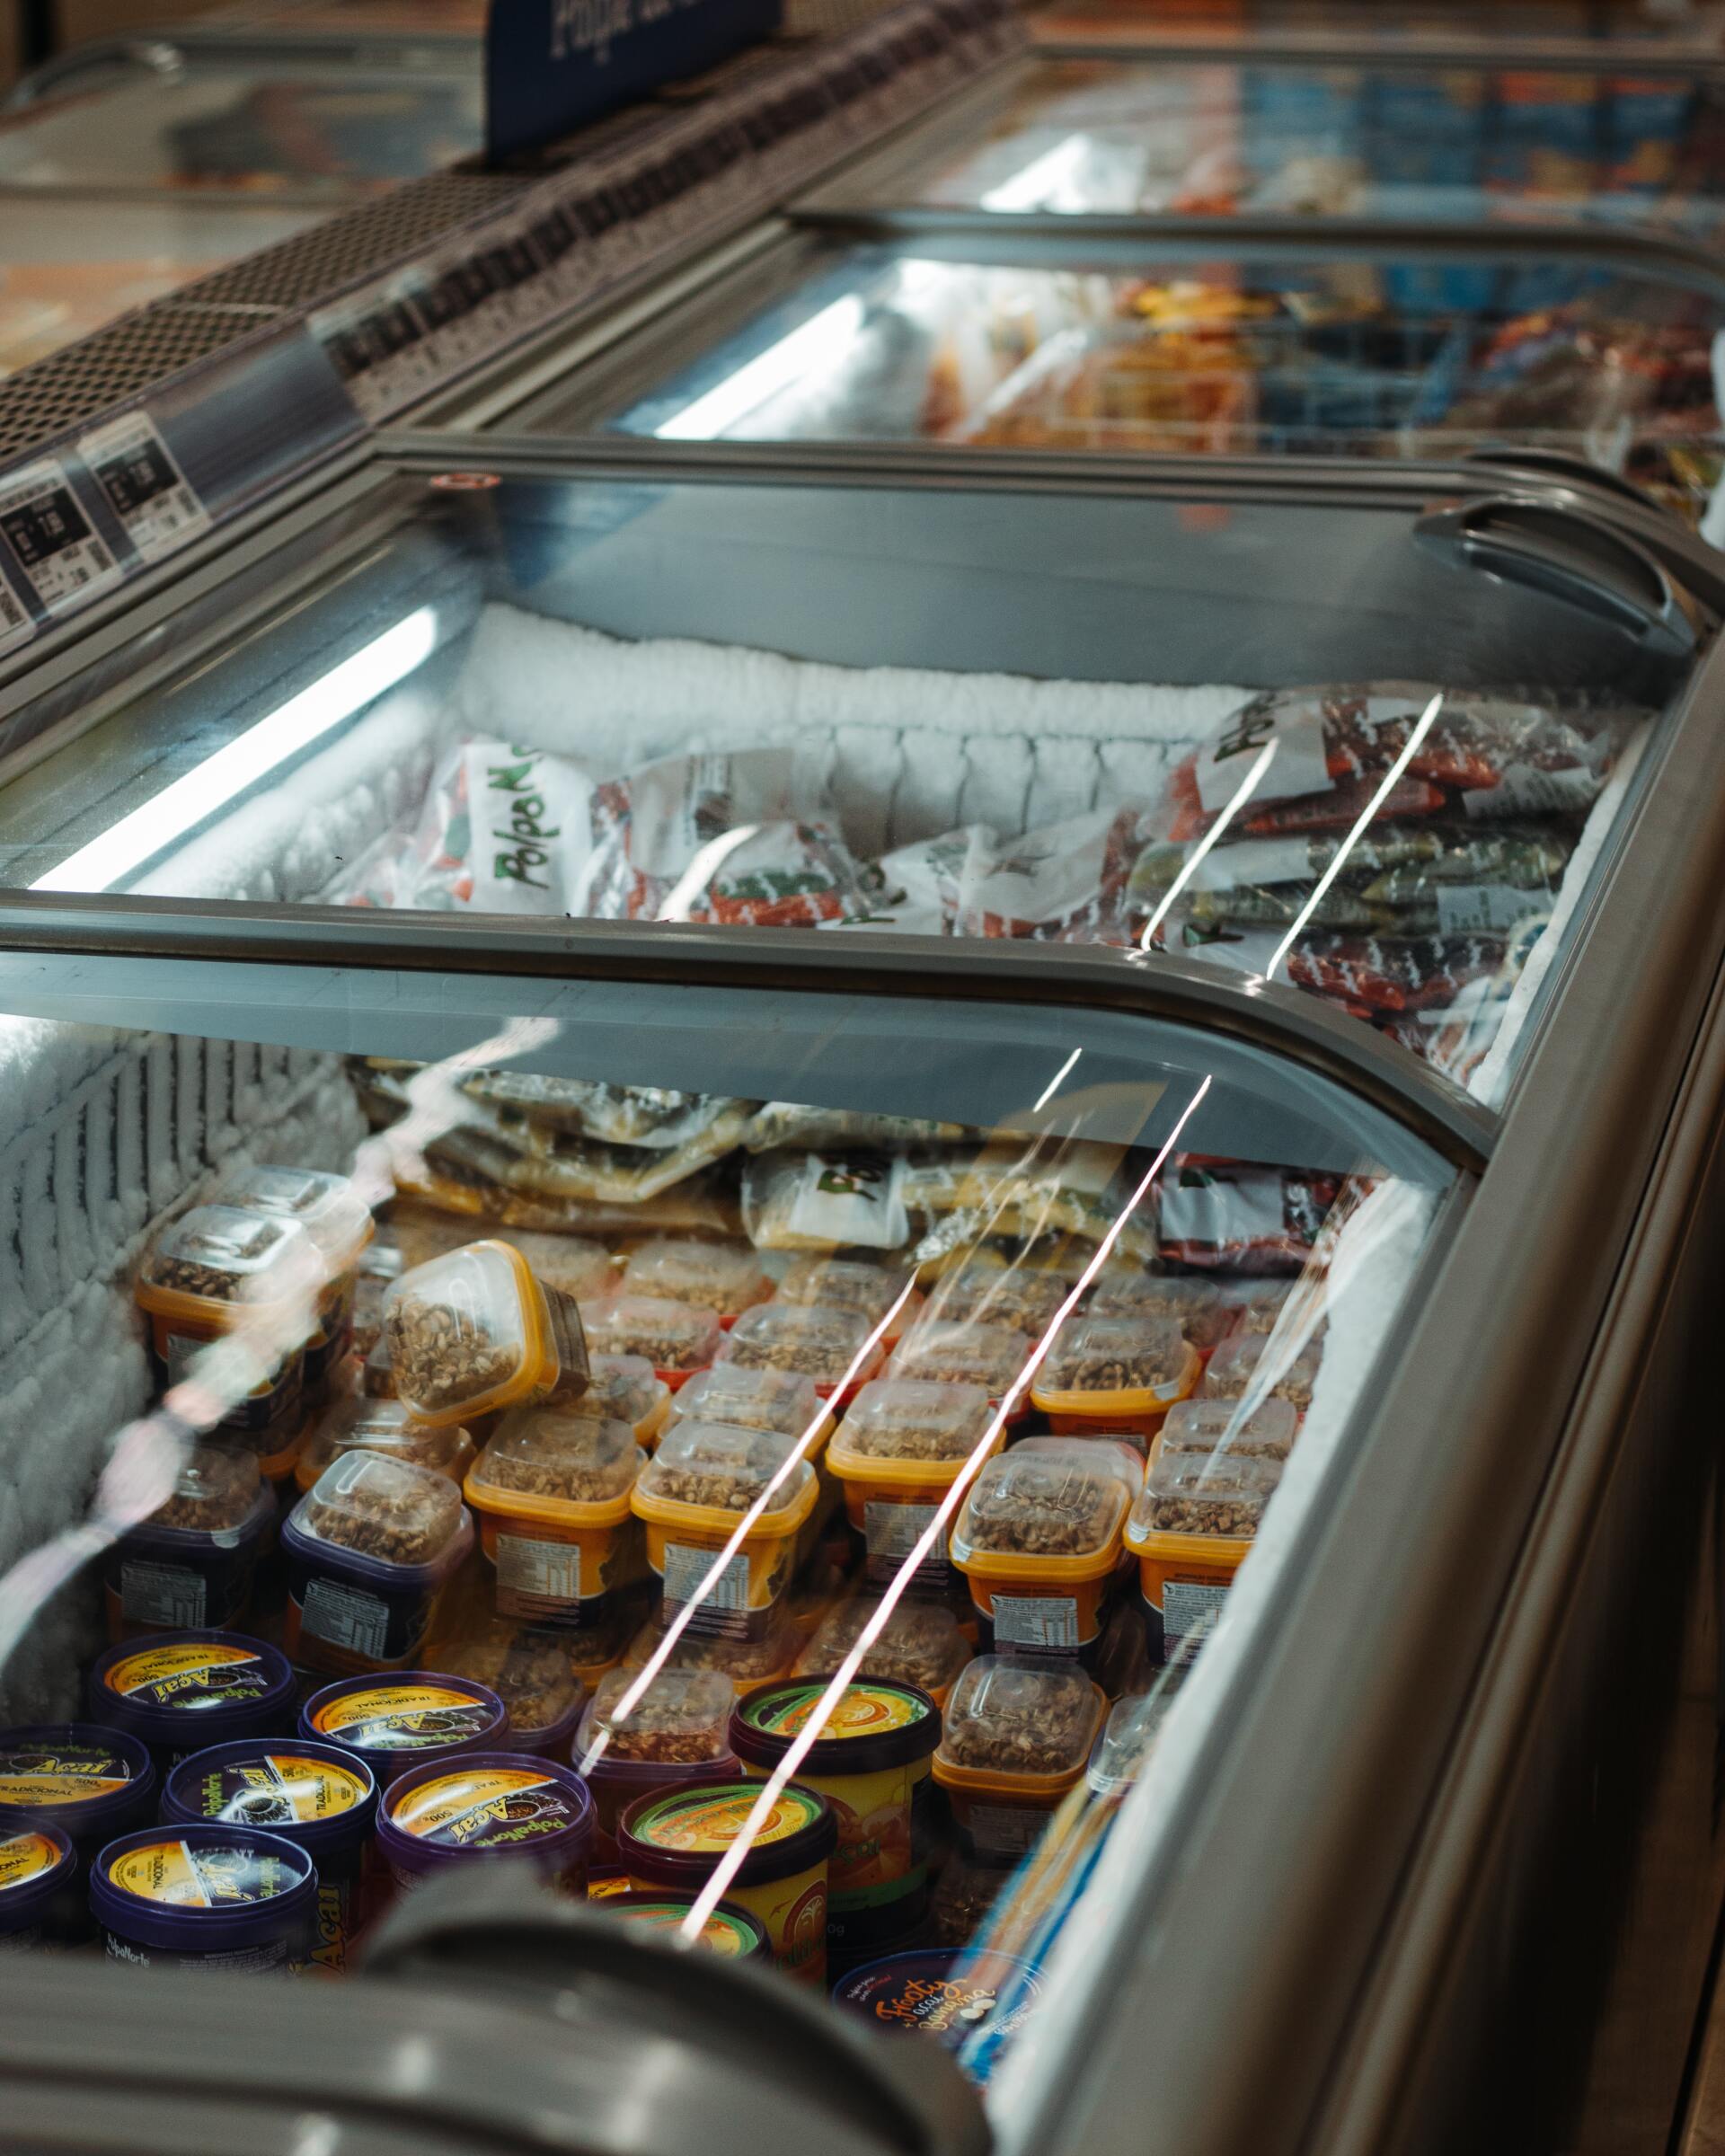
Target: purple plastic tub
406	1719
183	1692
38	1866
205	1897
490	1807
320	1797
90	1781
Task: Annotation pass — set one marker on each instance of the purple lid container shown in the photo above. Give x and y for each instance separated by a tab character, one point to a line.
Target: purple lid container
271	1883
37	1862
90	1781
400	1718
183	1692
498	1807
262	1785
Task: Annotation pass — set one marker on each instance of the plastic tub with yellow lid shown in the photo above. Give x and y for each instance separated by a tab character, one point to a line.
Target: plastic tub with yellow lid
1038	1539
742	1662
920	1643
676	1339
832	1346
1191	1530
474	1332
756	1399
337	1220
876	1291
901	1447
1015	1739
552	1495
965	1353
626	1388
725	1278
388	1427
700	1483
1259	1366
984	1291
1123	1372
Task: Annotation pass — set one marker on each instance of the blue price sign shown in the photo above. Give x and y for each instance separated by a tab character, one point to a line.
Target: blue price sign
551	65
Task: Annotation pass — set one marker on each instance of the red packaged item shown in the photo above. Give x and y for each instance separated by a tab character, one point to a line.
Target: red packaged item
783	875
1233	1219
1394	974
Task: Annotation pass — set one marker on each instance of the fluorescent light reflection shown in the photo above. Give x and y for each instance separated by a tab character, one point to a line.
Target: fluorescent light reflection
1242	793
808	350
1038	184
190	801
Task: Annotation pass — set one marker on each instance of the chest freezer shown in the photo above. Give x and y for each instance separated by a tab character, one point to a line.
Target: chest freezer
1146	346
1011	1170
196	122
1464	145
1543	29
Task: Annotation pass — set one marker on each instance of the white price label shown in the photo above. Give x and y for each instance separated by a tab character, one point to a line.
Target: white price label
15	624
536	1579
347	1617
144	486
1045	1622
63	556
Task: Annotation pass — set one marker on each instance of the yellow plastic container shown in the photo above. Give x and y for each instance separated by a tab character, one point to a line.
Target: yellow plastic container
1016	1737
701	1479
551	1495
743	1663
756	1399
1038	1539
725	1278
1106	1373
854	1284
626	1388
1191	1530
383	1426
473	1333
901	1448
337	1219
920	1644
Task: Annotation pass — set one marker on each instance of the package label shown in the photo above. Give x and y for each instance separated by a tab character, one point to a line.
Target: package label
347	1617
1008	1829
1046	1622
723	1609
536	1577
144	486
1486	908
892	1532
173	1596
1190	1610
64	558
15	624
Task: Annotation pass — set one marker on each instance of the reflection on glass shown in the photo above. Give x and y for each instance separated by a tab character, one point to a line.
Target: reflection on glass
1354	357
851	1495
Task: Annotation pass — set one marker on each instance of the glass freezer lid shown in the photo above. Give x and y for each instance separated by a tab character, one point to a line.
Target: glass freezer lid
245	127
1301	740
1457	145
506	1107
1467	25
1156	349
67	269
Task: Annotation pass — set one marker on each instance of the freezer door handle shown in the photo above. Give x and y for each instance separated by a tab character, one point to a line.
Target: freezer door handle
58	77
1569	557
1515	463
814	2075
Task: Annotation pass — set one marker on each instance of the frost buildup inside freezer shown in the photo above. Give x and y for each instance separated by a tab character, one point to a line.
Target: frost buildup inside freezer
584	1529
1397	849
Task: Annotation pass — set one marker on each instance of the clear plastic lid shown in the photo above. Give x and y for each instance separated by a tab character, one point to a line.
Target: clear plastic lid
740	1662
225	1254
1257	1307
722	1467
1205	1426
919	1644
621	1388
753	1399
386	1426
670	1336
813	1339
1189	1493
387	1510
917	1419
1061	1500
681	1719
327	1206
1198	1307
569	1459
725	1276
529	1671
1240	1366
991	1356
986	1290
1092	1354
1033	1720
844	1284
1122	1452
216	1491
575	1264
463	1330
1130	1734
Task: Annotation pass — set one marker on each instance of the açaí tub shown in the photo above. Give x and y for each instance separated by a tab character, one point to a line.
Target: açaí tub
675	1732
191	1561
871	1764
217	1897
676	1839
729	1931
183	1692
488	1807
38	1866
314	1795
406	1718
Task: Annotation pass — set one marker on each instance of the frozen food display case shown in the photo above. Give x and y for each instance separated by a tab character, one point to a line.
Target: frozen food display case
1207	348
196	121
1466	145
1540	31
1200	1360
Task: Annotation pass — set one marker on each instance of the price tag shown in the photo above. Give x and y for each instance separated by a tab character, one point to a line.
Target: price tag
61	553
15	624
144	487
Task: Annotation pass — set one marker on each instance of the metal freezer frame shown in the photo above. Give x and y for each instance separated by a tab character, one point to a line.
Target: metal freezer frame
1508	1342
